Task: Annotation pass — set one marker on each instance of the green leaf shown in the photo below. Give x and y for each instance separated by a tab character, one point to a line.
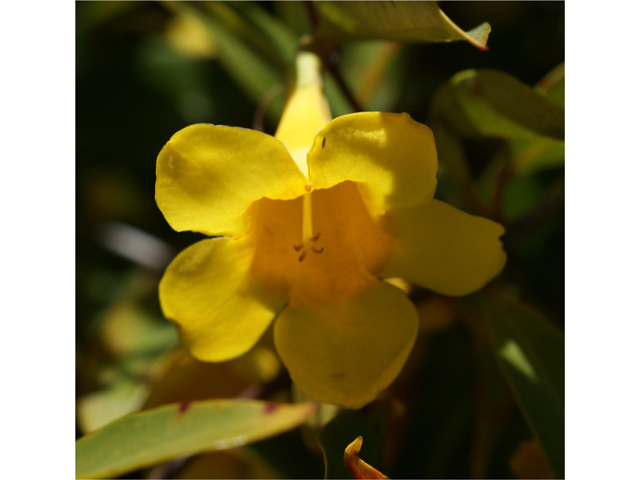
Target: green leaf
277	35
374	73
369	423
254	76
530	353
404	21
489	103
99	408
338	103
295	16
552	85
153	436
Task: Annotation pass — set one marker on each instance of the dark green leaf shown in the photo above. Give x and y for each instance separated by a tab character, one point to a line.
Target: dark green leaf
530	353
552	85
278	36
488	103
251	72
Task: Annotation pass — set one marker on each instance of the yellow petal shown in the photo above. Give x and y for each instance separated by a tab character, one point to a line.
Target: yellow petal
346	352
306	111
221	311
445	249
207	176
393	156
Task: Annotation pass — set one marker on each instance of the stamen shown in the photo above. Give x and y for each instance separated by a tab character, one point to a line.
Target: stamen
308	238
307	220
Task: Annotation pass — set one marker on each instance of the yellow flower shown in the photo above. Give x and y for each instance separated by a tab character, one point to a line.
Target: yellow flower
310	221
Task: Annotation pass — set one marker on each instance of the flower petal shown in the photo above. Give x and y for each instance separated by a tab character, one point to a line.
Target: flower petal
445	249
306	111
346	352
208	175
221	311
391	154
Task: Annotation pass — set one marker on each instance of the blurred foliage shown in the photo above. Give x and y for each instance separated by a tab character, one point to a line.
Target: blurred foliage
482	392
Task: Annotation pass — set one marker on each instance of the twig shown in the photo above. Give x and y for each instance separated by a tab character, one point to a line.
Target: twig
312	13
261	109
332	68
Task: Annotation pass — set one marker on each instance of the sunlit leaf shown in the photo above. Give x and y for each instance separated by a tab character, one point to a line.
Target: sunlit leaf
530	352
489	103
99	408
369	423
402	21
153	436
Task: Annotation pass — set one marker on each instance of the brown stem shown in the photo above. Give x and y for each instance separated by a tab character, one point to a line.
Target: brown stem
332	68
312	13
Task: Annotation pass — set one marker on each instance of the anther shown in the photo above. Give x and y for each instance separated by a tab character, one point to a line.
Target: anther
297	248
316	237
316	250
302	255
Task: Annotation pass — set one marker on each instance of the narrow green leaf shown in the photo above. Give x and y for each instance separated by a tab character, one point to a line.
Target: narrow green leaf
369	423
489	103
552	85
254	75
153	436
404	21
278	36
530	353
338	103
295	16
374	73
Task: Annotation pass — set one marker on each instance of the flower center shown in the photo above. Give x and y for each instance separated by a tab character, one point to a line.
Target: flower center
308	237
355	246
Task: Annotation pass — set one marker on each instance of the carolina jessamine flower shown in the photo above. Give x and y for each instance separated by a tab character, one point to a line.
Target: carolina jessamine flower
310	222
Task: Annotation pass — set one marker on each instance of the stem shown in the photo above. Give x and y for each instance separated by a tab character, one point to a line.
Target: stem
324	52
332	67
312	13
